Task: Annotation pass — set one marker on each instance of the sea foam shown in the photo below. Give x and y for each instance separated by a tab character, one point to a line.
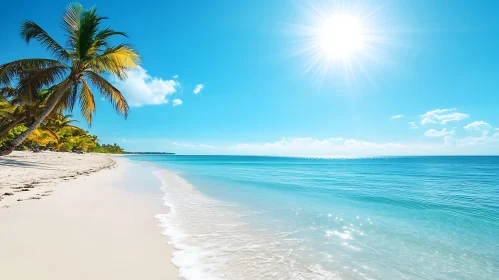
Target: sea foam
212	242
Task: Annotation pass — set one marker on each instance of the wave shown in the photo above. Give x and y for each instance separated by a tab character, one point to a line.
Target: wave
213	241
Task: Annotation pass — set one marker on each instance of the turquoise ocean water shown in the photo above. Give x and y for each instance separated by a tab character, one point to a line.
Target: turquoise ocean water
238	217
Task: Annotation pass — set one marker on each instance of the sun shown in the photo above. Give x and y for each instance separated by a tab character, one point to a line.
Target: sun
341	36
340	40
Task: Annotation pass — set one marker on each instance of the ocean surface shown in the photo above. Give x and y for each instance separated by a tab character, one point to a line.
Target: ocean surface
240	217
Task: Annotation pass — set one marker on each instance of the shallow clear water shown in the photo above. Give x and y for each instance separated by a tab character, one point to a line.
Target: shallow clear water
293	218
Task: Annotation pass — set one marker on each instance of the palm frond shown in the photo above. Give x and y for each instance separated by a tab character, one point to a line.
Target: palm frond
55	92
109	92
68	118
15	69
43	136
51	133
88	29
68	100
71	24
116	60
8	92
30	30
87	102
42	78
100	40
44	94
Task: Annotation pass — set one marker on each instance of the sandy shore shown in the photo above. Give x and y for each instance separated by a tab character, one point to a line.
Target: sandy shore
27	175
80	217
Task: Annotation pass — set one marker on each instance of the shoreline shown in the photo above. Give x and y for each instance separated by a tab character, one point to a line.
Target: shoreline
90	220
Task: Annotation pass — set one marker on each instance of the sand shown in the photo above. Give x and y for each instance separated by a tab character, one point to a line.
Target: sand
79	222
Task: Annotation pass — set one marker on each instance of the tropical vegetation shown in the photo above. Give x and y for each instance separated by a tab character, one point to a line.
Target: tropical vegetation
36	92
58	133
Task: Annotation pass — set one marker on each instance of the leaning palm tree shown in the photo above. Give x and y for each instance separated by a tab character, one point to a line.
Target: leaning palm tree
88	56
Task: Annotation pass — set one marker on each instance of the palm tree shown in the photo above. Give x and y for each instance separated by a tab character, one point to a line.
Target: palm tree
59	121
26	106
88	56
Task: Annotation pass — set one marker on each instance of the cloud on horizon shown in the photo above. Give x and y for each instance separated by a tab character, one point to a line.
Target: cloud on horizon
198	88
318	147
442	116
340	147
485	144
484	139
142	89
448	141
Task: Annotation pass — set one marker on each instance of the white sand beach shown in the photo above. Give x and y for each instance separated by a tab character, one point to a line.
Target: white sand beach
68	216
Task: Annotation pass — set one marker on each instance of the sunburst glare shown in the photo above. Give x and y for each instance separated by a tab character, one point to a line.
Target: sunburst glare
341	39
341	36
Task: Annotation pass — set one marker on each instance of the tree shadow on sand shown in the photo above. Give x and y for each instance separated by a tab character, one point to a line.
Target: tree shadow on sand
16	163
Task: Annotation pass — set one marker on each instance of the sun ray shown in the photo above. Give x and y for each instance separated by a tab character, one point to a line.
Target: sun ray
341	39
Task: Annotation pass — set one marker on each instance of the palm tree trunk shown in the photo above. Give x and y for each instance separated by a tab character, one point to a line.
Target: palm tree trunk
11	125
50	106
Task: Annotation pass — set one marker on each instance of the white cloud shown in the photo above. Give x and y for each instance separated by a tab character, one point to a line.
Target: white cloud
206	146
182	145
142	89
474	140
175	76
397	117
340	147
124	140
482	140
496	128
477	125
333	147
198	88
177	102
437	133
413	125
442	116
186	145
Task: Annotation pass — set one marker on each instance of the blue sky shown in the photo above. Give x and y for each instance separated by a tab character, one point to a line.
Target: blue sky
436	64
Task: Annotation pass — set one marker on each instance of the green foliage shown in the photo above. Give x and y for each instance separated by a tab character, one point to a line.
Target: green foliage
12	134
58	134
108	149
23	148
